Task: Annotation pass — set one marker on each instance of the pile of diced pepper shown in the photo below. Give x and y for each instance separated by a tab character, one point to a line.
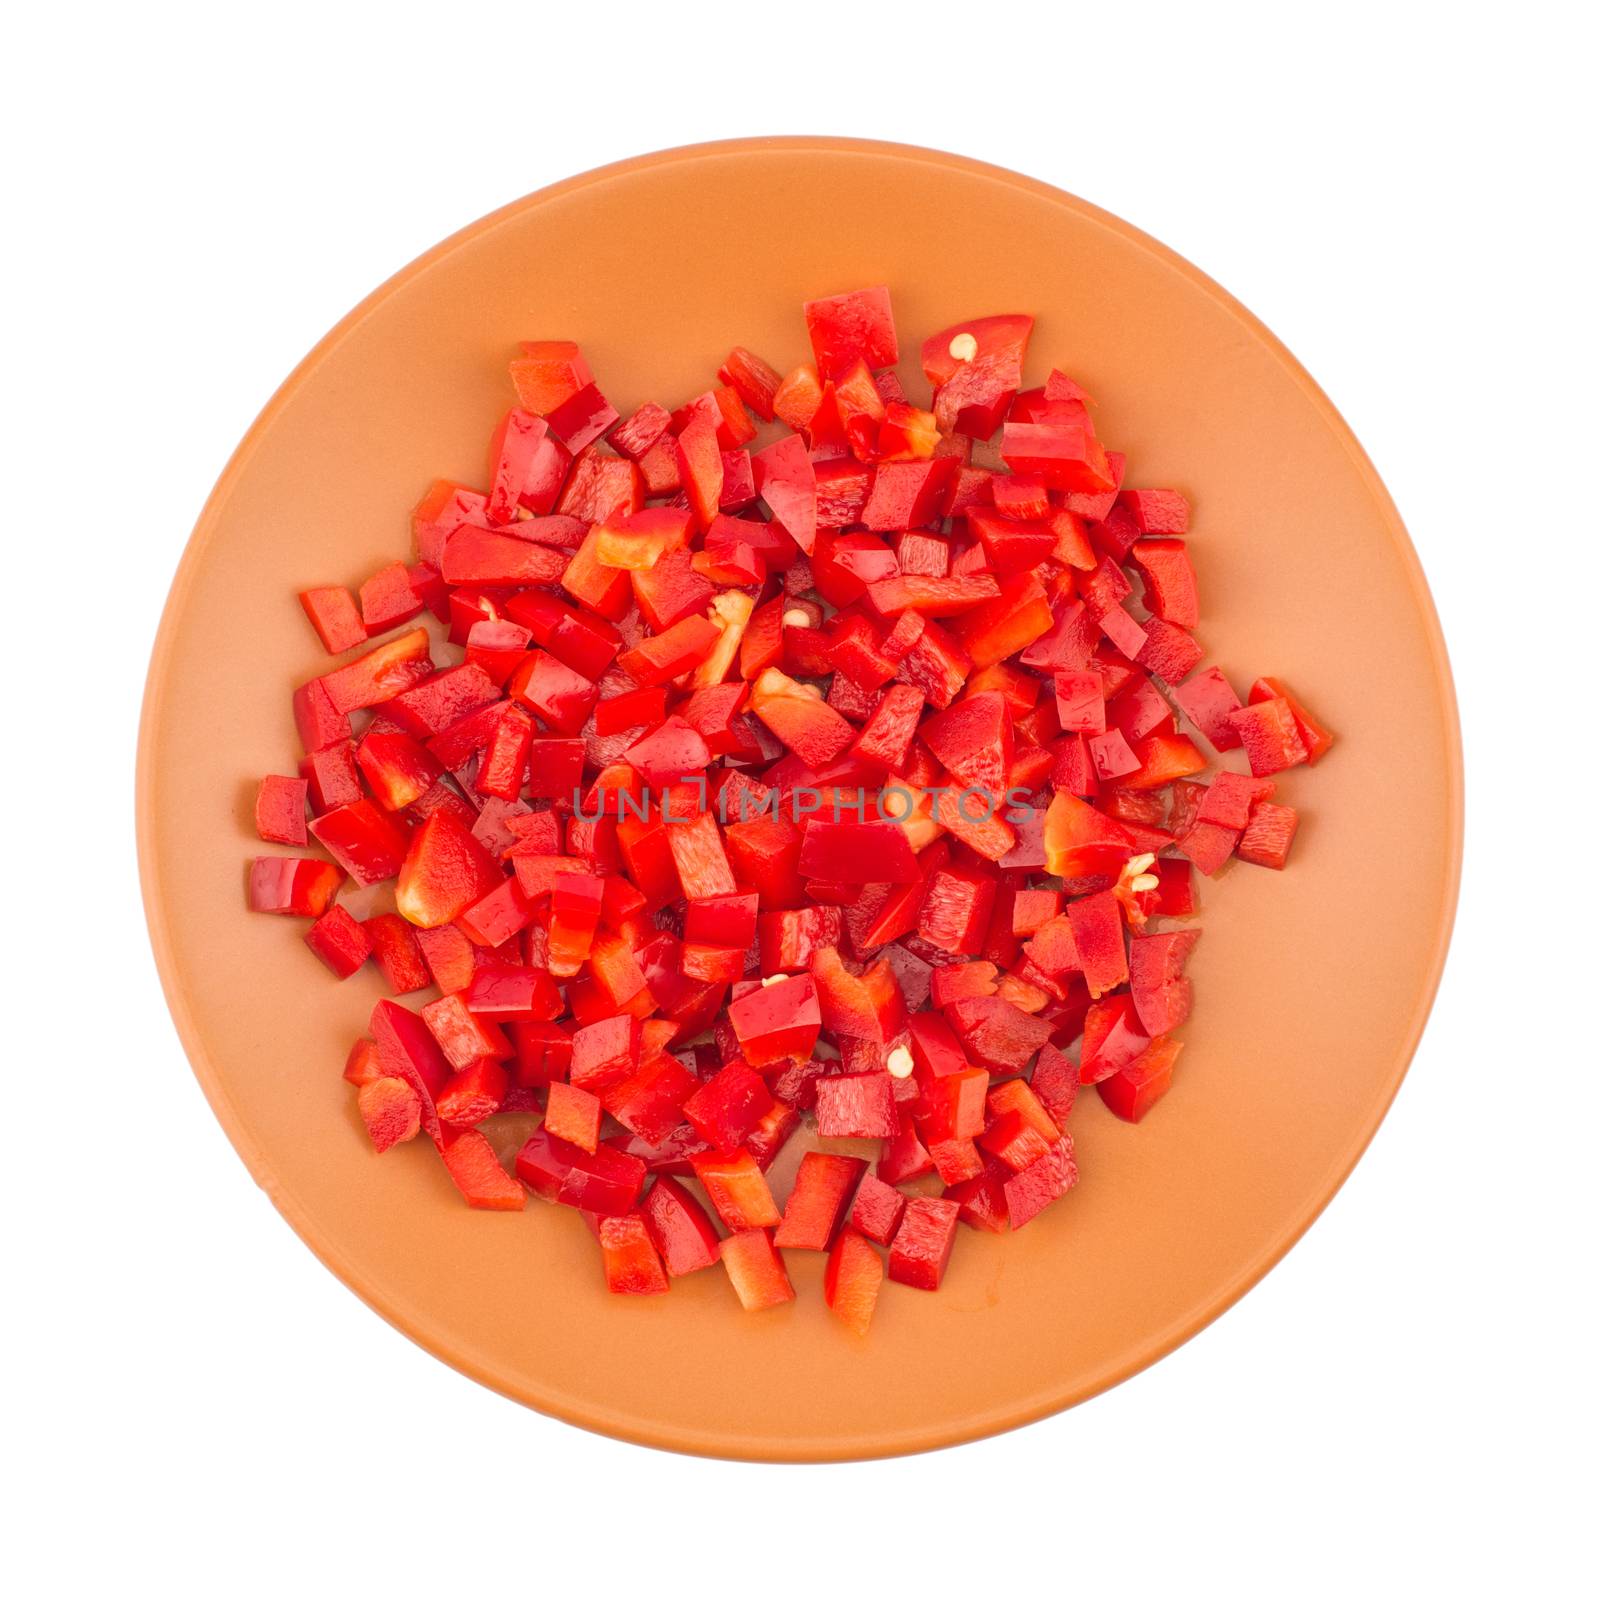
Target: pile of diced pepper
843	764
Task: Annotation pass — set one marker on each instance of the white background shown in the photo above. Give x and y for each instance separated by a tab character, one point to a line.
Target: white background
1406	1405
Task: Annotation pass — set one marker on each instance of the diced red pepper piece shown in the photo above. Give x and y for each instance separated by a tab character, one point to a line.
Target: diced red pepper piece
280	812
851	1282
1268	835
1270	736
548	372
339	942
334	614
857	1105
823	1185
786	479
1159	511
800	717
737	1189
474	1094
975	369
475	1170
1055	1084
955	910
1132	1092
629	1256
777	1021
379	675
877	1209
858	852
1169	582
561	697
391	1111
604	1053
368	843
573	1114
406	1049
671	653
679	1228
1316	738
1039	1184
445	871
727	1108
756	1270
847	328
923	1242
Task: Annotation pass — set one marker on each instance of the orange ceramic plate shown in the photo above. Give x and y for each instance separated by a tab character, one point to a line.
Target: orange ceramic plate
1312	985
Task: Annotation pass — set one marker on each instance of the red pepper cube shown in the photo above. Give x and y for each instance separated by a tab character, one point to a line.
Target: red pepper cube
291	886
722	919
446	871
573	1114
858	852
448	953
391	1111
475	1170
606	1182
332	776
737	1189
1270	736
463	1037
1209	846
512	994
955	910
823	1185
856	1105
281	810
1040	1183
339	942
847	328
1267	836
1316	738
1132	1092
397	769
678	1226
1111	756
1208	700
555	768
473	1094
504	764
952	1106
1097	931
777	1021
851	1282
877	1209
387	599
756	1270
1081	701
551	689
923	1242
368	843
650	1102
1112	1038
955	1160
333	613
1231	797
575	904
604	1053
629	1256
1055	1084
1161	994
397	953
1159	511
725	1110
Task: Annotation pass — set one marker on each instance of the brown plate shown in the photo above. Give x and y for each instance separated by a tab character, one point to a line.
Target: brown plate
1312	984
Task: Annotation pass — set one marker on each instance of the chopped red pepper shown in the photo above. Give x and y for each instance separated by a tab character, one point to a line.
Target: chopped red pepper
860	690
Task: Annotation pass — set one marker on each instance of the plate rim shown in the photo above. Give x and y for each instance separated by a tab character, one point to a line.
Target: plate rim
624	1426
